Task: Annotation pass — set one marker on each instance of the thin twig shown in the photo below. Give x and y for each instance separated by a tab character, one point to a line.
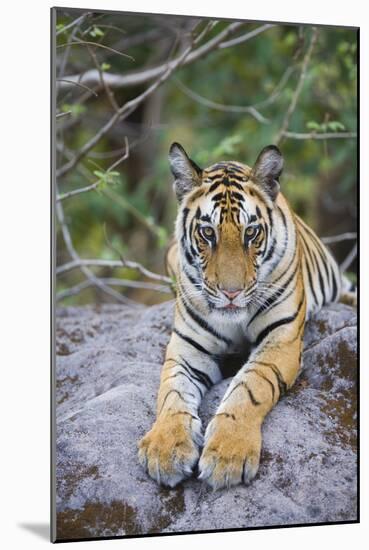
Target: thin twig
76	289
97	182
277	90
60	115
339	238
102	26
245	37
83	86
300	84
85	270
108	91
78	263
90	43
75	192
135	265
123	158
349	259
64	60
220	106
72	23
316	135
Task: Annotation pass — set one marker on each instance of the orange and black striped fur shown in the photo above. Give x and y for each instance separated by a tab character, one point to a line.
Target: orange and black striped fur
249	272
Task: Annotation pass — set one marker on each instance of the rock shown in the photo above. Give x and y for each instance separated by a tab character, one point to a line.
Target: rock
108	365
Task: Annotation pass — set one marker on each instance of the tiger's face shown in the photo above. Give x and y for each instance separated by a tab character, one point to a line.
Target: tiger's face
224	225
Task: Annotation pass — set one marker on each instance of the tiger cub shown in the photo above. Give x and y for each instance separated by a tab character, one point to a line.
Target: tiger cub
249	273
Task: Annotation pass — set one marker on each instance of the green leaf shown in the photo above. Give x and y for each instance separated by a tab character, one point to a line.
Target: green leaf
105	66
74	108
99	174
162	236
335	125
314	126
228	146
343	47
96	32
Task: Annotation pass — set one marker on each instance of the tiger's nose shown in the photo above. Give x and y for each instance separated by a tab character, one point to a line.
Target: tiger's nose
231	293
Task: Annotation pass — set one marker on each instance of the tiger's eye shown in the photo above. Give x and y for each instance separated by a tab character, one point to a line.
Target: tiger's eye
208	232
251	231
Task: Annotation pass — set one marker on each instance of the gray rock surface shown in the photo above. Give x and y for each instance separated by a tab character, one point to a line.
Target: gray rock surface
108	365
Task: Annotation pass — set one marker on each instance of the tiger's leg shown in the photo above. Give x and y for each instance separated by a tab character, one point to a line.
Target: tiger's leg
233	438
170	450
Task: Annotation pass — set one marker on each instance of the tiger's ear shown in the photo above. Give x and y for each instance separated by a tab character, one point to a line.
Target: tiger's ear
185	171
267	169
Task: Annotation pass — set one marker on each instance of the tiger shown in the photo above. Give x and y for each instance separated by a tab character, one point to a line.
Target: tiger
249	273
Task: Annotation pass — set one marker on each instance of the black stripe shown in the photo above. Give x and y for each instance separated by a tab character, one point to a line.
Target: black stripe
184	223
334	285
166	397
320	277
237	185
289	265
204	324
271	250
282	386
251	395
286	239
199	347
270	216
284	321
283	216
309	273
239	196
213	186
191	278
264	378
277	294
322	253
192	380
199	375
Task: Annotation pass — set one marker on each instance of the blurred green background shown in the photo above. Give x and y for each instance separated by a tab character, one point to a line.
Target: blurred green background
201	105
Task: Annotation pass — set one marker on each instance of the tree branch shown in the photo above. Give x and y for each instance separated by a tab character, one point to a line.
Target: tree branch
245	37
349	259
315	135
76	289
95	185
339	238
79	262
220	106
300	84
98	44
91	77
126	110
83	86
73	23
87	272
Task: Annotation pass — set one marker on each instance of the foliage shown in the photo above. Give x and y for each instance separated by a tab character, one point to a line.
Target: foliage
135	200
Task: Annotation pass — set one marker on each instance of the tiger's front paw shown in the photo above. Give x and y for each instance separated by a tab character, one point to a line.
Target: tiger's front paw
231	453
169	451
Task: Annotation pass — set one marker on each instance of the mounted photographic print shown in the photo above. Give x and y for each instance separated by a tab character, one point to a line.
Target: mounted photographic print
204	182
